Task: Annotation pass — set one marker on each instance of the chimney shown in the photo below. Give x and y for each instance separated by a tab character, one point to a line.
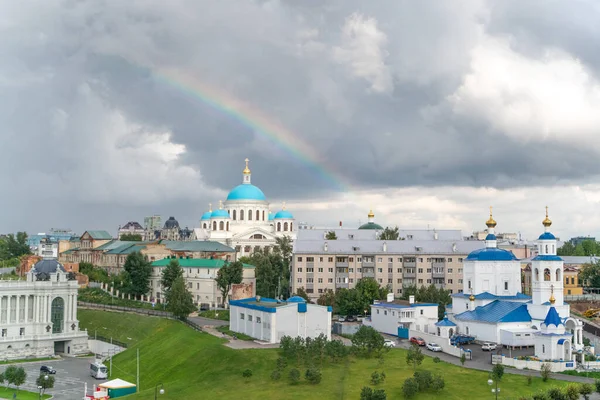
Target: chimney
435	235
411	299
325	247
454	247
384	247
258	299
390	297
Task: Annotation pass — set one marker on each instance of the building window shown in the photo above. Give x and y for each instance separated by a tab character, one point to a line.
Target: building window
399	270
460	259
450	281
449	260
241	215
249	318
505	285
257	215
384	312
299	259
351	280
351	259
320	280
21	331
390	270
421	312
420	270
399	280
330	280
320	269
310	270
300	269
377	311
351	269
241	315
380	280
449	270
299	280
379	259
4	332
329	259
330	270
258	318
428	280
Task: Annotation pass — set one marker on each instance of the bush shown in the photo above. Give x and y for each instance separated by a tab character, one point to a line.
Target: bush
247	373
463	359
436	360
529	380
572	392
410	388
294	376
276	375
597	384
590	357
438	383
377	378
545	371
540	396
336	350
586	390
379	394
366	393
556	394
281	363
424	379
367	341
313	375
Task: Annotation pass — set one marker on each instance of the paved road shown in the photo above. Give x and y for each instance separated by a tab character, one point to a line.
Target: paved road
207	321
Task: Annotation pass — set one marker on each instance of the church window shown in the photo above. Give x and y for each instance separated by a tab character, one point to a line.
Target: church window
249	215
543	348
247	249
221	225
546	249
263	215
536	275
257	215
291	226
241	215
558	279
204	225
234	214
546	275
214	225
228	225
467	330
285	226
505	285
278	226
469	285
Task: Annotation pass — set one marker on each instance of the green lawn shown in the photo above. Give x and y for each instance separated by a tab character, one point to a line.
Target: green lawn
99	296
189	362
225	329
21	394
222	315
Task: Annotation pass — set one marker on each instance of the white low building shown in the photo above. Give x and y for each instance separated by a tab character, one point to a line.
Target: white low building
397	317
269	320
38	317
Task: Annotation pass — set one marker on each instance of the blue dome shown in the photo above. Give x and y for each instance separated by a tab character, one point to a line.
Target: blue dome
296	299
246	192
490	236
220	213
284	214
271	217
552	318
206	215
547	236
491	254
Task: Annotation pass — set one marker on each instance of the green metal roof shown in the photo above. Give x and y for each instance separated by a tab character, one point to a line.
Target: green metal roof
74	249
114	244
127	248
197	246
195	263
371	225
99	235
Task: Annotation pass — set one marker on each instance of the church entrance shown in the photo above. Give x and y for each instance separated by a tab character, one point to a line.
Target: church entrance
567	350
57	314
62	347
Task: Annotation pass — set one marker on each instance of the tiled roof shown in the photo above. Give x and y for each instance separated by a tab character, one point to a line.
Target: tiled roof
497	311
547	257
127	248
491	254
490	296
113	244
99	235
195	263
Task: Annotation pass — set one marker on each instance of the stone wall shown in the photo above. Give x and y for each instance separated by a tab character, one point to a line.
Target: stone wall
242	291
557	366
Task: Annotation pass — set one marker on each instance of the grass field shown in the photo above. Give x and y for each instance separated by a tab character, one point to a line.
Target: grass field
193	364
21	394
99	296
222	315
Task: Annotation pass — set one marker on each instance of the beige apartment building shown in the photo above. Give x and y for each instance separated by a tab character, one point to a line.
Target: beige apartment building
420	257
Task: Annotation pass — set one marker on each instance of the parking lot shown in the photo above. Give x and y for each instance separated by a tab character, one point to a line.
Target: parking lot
71	376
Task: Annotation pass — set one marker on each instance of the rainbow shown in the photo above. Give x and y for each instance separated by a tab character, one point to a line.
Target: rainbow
255	120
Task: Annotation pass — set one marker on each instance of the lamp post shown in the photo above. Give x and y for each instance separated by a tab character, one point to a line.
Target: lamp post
157	390
494	390
43	387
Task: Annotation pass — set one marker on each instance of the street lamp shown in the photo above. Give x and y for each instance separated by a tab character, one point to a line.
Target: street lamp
157	390
40	387
494	390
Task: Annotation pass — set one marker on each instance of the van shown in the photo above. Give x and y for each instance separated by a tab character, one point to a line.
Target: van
98	370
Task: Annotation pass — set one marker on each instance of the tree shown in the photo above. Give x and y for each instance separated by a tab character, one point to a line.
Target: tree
424	379
247	374
414	356
566	249
302	293
367	341
389	233
349	302
313	375
95	274
137	270
2	378
179	300
369	290
327	298
131	237
15	376
12	246
429	294
590	274
497	372
545	371
45	382
586	390
331	235
438	383
169	274
228	275
294	376
369	394
410	388
463	359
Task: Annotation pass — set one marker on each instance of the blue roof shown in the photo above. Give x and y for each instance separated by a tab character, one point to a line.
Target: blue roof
497	311
445	322
552	318
220	213
283	214
490	236
547	236
395	305
206	215
489	296
547	258
246	192
296	299
561	341
491	254
271	216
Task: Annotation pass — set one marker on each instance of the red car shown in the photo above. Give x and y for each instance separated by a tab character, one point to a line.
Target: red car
417	340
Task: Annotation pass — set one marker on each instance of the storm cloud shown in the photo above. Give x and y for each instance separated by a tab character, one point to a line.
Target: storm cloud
405	103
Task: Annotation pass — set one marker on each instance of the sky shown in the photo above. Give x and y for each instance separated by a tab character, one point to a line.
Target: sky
426	112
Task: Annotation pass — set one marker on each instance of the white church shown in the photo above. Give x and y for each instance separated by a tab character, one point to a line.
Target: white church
492	309
244	221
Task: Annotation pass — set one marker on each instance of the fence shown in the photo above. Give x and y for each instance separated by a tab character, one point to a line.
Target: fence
107	340
556	366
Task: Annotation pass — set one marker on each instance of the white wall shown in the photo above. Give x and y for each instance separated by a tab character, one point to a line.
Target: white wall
262	330
387	319
537	365
489	276
444	343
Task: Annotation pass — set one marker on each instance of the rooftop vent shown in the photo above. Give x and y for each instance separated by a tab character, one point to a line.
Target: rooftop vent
258	299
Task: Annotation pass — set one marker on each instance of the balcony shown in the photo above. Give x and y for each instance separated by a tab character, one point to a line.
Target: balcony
409	274
342	285
438	264
341	264
409	264
438	274
368	272
368	263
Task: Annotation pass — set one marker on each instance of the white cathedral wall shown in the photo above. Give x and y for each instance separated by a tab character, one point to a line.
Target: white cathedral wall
542	289
502	278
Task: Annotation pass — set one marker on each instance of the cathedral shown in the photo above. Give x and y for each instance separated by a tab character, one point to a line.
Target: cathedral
492	309
244	220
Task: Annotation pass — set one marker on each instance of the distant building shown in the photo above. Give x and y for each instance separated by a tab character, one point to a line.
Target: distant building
580	239
53	236
396	317
131	228
269	320
152	223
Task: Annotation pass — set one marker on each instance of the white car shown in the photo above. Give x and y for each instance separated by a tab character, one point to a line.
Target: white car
488	346
389	343
433	347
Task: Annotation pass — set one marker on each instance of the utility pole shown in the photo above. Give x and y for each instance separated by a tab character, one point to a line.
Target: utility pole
110	368
138	370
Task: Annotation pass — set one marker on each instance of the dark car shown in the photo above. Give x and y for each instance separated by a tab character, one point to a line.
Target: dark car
351	318
47	369
418	341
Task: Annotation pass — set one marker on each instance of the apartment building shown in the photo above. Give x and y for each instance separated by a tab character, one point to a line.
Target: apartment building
421	257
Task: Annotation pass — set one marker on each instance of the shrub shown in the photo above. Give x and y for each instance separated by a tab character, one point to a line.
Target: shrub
377	378
424	379
556	394
545	371
463	359
281	363
379	394
313	375
336	350
529	380
366	393
410	388
294	376
276	375
438	383
586	390
572	392
597	384
247	373
436	360
590	357
540	396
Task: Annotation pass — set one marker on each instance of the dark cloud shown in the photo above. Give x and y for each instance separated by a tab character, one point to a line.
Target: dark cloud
378	90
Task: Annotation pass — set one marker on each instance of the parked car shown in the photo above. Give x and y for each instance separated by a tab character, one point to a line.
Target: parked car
488	346
417	340
351	318
458	340
433	347
389	343
47	369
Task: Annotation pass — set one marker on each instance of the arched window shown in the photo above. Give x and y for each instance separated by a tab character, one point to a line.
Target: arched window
546	249
249	215
257	215
467	330
241	215
214	225
227	225
546	275
204	225
439	331
558	278
451	332
469	285
536	275
285	226
234	215
263	215
278	226
221	225
291	226
57	314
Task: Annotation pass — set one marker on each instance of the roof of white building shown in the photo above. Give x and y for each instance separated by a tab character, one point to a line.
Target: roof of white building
376	246
368	234
497	311
490	296
402	304
270	305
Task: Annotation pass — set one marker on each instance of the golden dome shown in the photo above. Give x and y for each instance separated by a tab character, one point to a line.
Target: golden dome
371	215
246	170
547	222
491	223
471	297
552	299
